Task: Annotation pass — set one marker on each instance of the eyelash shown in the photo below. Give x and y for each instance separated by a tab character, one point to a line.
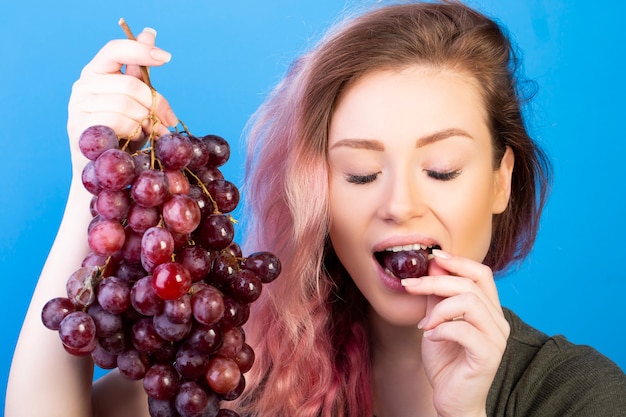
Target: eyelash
362	179
436	175
443	176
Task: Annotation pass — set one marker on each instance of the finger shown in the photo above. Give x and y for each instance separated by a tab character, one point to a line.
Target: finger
148	37
119	52
123	126
444	286
481	274
112	103
448	287
478	348
466	321
471	309
112	84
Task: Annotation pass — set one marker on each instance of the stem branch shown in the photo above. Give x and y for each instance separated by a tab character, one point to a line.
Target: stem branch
144	70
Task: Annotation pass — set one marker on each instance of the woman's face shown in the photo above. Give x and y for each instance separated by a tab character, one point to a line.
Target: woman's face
411	162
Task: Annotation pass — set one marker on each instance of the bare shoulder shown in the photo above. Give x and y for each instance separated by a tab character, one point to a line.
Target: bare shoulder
116	396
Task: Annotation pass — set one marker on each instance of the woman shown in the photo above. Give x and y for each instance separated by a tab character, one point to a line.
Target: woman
401	130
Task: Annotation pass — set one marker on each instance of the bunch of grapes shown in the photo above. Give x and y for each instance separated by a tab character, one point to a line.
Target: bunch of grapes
165	290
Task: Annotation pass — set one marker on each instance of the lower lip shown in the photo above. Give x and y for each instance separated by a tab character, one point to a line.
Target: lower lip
389	281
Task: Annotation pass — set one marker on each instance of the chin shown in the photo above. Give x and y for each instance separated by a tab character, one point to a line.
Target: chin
401	313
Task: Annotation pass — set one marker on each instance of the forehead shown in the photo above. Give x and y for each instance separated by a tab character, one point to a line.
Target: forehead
415	100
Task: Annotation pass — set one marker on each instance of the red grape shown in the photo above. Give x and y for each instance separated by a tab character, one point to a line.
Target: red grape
207	305
132	364
199	154
106	237
55	310
225	194
406	264
143	297
95	140
174	150
206	338
197	260
89	178
115	169
170	280
113	205
115	343
81	286
142	218
150	188
169	330
157	247
161	381
245	358
178	310
190	363
113	295
246	287
144	336
223	374
216	231
102	358
264	264
219	149
232	342
107	323
181	214
191	399
77	330
177	182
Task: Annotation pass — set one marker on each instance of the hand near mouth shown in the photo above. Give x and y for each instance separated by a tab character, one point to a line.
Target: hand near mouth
465	332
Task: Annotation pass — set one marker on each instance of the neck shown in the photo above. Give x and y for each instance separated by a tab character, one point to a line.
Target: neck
393	341
400	385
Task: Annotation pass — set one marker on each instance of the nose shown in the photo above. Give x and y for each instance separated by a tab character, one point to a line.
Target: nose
403	199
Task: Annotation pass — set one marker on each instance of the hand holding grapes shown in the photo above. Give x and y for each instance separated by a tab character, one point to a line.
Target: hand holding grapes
103	95
465	333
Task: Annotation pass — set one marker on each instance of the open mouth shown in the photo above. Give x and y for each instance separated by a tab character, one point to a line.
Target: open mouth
408	261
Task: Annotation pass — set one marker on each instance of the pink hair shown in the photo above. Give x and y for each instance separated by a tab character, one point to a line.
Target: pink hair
309	328
298	370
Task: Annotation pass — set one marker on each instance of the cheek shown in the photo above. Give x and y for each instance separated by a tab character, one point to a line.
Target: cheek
468	216
350	220
342	225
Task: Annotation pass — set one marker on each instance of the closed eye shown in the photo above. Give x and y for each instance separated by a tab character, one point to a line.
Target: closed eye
361	179
443	176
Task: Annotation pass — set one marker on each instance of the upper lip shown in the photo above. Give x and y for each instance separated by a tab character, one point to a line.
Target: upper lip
399	241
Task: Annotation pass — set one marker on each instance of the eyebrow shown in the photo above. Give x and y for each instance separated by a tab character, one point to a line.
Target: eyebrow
375	145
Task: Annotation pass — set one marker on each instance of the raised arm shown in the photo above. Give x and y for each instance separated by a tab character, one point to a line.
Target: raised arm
45	380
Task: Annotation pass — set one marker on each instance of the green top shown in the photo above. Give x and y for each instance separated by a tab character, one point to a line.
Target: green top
546	376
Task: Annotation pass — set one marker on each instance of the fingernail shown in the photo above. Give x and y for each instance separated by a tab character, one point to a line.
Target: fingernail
428	333
160	55
421	324
408	282
441	254
151	31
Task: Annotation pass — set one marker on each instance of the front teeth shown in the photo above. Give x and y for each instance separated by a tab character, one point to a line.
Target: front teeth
415	246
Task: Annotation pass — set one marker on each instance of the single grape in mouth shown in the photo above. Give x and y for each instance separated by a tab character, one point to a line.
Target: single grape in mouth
410	263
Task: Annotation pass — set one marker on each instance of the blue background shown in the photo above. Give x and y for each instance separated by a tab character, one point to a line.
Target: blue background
228	55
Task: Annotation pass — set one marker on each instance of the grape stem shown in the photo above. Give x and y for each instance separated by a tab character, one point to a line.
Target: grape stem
204	189
145	75
144	70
